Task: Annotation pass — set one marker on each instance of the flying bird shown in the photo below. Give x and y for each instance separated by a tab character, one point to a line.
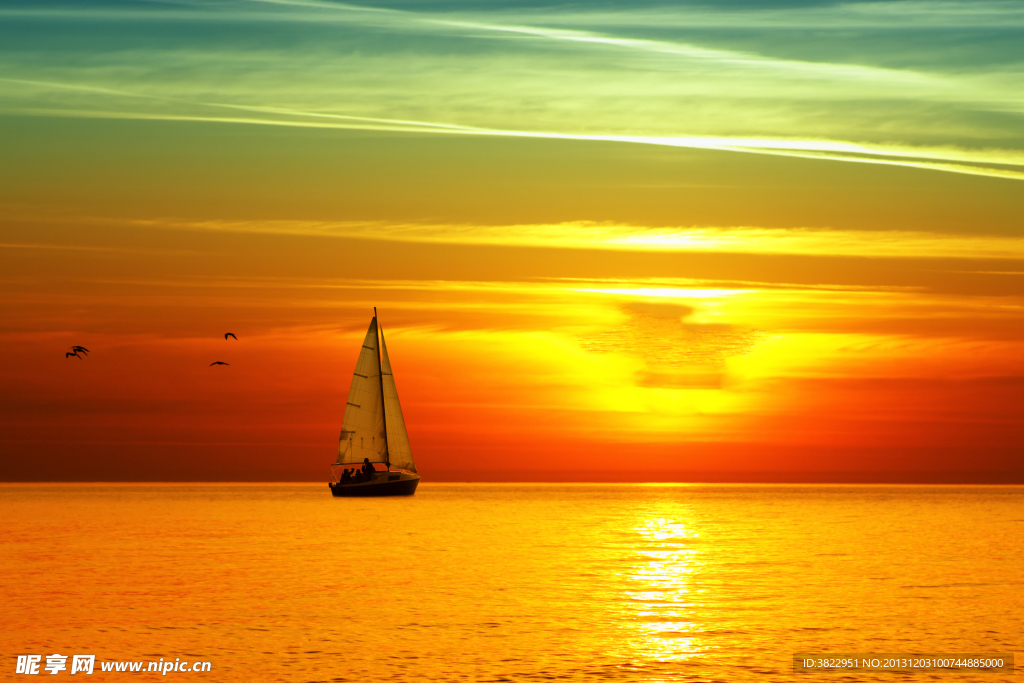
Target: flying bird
72	354
230	334
80	349
218	362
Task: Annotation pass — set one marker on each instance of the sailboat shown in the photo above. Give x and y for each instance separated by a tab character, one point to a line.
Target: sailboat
373	429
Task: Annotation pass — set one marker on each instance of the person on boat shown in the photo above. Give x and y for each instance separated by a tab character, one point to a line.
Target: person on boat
368	469
345	476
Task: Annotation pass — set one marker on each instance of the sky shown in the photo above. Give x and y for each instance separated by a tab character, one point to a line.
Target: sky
609	241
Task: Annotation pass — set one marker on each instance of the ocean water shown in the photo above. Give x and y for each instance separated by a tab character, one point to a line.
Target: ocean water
508	582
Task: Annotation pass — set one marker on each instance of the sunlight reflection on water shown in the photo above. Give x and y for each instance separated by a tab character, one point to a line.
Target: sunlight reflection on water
659	592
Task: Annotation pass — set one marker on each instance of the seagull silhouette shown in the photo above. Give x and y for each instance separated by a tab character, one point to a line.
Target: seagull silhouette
72	354
80	349
218	362
230	334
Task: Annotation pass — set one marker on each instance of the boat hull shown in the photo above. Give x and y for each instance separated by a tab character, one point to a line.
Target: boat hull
384	484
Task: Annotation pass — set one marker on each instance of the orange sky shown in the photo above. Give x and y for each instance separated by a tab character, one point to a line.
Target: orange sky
512	362
569	292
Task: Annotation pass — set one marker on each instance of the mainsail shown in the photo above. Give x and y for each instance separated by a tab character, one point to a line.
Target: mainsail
398	438
362	434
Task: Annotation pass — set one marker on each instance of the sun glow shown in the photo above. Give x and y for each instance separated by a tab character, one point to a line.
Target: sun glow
665	292
593	232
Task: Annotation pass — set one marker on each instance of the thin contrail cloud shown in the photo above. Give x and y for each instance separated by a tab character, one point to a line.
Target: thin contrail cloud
988	163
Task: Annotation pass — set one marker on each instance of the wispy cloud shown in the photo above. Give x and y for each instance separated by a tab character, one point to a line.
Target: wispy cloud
563	73
586	235
989	162
912	15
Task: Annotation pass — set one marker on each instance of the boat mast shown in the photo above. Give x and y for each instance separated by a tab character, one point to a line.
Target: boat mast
380	373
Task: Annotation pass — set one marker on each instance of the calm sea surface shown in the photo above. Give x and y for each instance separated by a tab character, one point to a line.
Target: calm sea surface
507	581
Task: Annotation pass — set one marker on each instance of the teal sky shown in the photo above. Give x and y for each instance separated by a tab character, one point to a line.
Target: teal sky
939	84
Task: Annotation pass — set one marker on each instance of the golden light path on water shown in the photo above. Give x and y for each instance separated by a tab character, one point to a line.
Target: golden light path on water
662	601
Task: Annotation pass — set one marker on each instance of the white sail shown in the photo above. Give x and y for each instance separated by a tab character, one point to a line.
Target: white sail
362	433
398	438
